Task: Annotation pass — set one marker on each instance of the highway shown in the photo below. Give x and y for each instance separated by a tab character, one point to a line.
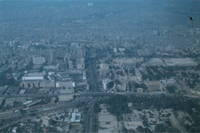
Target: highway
93	81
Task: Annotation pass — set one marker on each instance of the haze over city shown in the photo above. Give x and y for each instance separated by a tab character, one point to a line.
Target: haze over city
99	66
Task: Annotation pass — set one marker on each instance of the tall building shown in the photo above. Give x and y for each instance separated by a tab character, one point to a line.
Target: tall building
70	64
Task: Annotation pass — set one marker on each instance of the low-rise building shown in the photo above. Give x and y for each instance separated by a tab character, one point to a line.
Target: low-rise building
38	60
76	117
47	121
33	76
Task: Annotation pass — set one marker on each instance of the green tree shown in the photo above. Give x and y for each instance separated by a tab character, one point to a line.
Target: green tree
110	85
171	89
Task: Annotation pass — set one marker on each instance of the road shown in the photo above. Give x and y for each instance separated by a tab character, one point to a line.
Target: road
39	112
93	81
88	120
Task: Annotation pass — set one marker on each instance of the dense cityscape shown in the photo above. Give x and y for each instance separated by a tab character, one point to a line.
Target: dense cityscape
70	66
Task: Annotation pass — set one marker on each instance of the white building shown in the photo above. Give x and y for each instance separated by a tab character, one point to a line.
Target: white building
66	84
14	130
105	82
76	117
180	62
33	76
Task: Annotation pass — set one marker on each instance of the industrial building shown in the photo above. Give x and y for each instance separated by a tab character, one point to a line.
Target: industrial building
47	83
66	84
30	84
180	62
33	76
64	76
155	62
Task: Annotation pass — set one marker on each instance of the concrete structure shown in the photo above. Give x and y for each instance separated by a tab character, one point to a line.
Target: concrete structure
65	97
153	86
22	91
75	72
66	84
80	63
155	62
107	121
132	125
67	90
76	117
14	130
30	84
104	70
130	104
38	60
10	101
33	76
128	63
47	83
16	76
64	76
180	62
105	82
50	67
71	65
46	121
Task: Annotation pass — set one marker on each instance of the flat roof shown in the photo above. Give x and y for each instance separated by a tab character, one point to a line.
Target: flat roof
34	75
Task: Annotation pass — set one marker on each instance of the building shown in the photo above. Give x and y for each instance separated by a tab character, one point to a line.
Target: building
10	101
22	91
66	84
180	62
64	76
16	76
68	90
155	62
71	65
14	130
47	83
105	82
50	67
33	76
76	117
30	84
38	60
80	63
104	70
132	125
128	63
65	97
46	121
